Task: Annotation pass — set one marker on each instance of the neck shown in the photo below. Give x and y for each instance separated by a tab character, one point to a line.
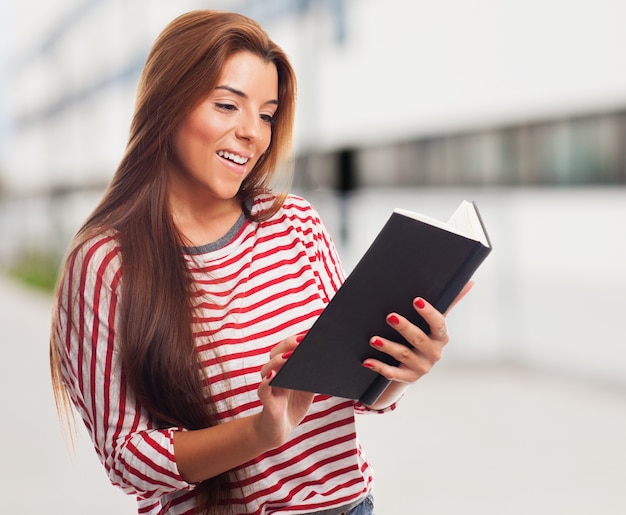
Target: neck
205	223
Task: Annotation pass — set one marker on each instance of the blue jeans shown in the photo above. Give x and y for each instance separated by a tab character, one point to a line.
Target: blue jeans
365	508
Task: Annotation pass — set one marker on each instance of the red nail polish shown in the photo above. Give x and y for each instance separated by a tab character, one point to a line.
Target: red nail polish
393	319
367	365
287	354
420	303
270	375
377	343
300	337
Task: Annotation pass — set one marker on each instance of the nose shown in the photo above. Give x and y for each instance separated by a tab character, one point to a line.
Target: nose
248	126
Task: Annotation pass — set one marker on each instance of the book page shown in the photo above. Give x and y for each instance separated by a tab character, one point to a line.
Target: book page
464	221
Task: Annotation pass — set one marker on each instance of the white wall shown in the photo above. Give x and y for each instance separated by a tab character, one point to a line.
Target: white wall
406	68
414	66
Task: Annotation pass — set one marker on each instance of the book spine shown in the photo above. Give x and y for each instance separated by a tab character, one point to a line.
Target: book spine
461	278
375	390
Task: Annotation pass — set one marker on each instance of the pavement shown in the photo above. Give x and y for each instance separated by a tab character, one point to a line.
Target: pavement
495	439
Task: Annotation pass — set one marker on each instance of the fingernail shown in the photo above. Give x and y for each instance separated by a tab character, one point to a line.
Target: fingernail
300	337
287	354
377	343
367	365
420	303
393	319
270	375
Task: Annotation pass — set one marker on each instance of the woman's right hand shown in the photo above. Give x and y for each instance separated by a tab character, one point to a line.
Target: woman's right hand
283	409
205	453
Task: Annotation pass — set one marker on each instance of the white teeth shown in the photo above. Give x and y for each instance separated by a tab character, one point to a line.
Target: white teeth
233	157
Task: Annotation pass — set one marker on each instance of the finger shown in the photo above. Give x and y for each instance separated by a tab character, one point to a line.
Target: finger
419	339
287	344
265	390
414	366
421	347
266	385
275	363
429	346
435	320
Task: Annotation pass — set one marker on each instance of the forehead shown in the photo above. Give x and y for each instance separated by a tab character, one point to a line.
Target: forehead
251	75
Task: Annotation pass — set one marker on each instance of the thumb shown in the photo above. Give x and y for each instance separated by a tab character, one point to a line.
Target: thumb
265	389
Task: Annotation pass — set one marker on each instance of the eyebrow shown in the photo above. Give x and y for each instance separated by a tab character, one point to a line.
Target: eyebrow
241	93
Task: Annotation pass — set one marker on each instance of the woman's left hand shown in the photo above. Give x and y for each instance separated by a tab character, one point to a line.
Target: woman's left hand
425	349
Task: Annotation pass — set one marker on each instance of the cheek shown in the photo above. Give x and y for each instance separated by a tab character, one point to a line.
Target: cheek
192	139
199	132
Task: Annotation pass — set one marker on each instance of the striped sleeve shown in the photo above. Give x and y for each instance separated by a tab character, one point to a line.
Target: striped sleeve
320	247
137	457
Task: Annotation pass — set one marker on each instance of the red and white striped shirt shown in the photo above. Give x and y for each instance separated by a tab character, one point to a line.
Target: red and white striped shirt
256	286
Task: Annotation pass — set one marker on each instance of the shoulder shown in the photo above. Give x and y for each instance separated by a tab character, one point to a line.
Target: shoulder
293	208
95	258
99	247
295	204
291	201
299	221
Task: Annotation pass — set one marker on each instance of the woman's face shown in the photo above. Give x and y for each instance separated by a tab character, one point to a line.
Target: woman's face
221	140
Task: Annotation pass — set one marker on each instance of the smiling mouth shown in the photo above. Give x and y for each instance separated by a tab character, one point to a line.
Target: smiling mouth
240	160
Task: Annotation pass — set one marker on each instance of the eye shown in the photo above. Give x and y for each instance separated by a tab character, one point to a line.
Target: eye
268	118
226	107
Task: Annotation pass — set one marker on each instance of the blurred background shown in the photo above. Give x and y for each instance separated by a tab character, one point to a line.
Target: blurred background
419	104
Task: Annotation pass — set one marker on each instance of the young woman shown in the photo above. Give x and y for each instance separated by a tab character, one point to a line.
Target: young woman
190	284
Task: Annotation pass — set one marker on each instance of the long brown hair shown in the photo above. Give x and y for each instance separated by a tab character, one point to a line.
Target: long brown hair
156	342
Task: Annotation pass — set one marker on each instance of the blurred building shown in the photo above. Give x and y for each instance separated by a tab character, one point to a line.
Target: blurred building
418	93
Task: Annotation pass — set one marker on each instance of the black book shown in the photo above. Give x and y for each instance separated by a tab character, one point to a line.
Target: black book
411	256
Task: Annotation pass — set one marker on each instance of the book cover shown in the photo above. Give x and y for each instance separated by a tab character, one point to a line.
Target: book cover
408	258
